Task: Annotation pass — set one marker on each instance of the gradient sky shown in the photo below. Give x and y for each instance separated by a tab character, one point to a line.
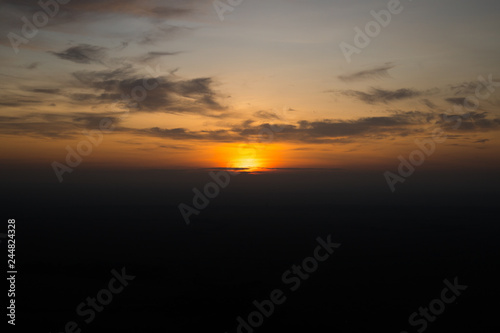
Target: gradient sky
220	83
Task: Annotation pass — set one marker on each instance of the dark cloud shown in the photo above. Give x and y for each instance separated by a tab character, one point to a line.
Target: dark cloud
106	78
374	73
266	115
394	124
470	122
37	130
176	147
31	126
8	119
52	125
18	101
92	121
167	12
382	96
324	131
184	134
160	33
167	9
83	54
33	65
456	100
155	55
331	131
429	104
71	16
481	141
464	88
83	97
45	91
164	94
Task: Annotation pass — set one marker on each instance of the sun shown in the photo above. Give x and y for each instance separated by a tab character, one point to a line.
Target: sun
251	158
250	164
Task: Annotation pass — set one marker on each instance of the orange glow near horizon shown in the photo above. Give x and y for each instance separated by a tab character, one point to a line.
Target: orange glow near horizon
251	157
248	164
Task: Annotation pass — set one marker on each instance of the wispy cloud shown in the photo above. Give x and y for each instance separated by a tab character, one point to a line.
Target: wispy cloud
155	55
373	73
456	100
83	54
429	104
326	131
161	33
266	115
481	141
381	95
170	95
45	91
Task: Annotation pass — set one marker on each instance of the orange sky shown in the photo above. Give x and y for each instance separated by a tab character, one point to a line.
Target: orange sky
278	82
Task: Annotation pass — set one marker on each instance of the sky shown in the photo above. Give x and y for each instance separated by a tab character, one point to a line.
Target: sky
261	85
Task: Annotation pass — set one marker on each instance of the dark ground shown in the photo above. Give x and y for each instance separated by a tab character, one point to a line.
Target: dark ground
199	278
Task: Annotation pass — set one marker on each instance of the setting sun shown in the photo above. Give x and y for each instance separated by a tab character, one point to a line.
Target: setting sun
250	157
250	164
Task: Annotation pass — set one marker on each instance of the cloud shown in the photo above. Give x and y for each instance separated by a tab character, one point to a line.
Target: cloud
266	115
382	96
472	122
144	22
166	94
176	147
168	12
79	8
147	19
18	101
92	121
331	131
83	54
30	125
53	126
323	131
33	65
160	33
184	134
456	100
45	91
464	88
374	73
9	119
481	141
429	104
155	55
96	79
